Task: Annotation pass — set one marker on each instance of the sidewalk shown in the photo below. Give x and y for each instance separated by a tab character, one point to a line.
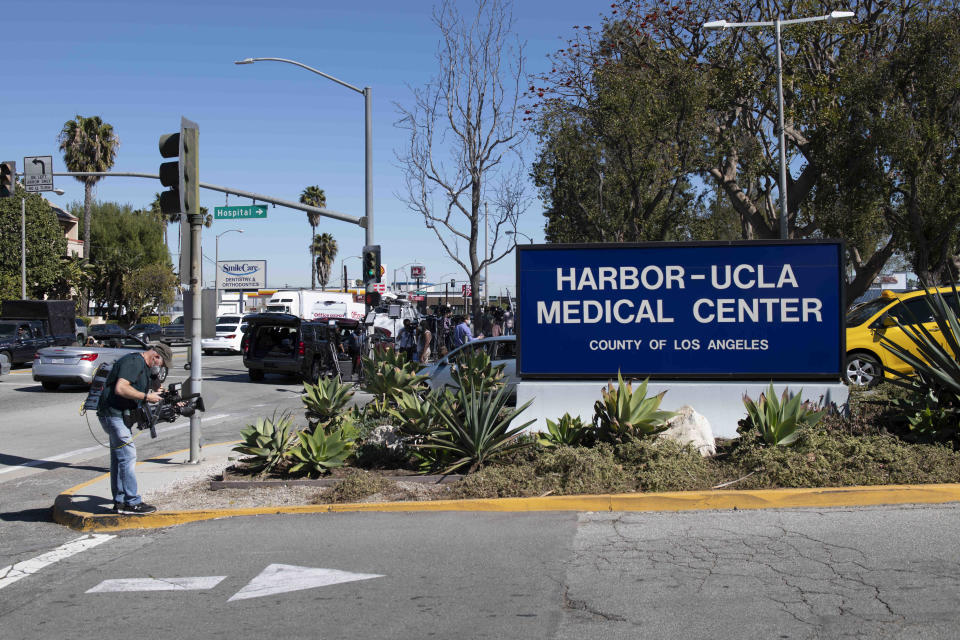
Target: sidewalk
88	506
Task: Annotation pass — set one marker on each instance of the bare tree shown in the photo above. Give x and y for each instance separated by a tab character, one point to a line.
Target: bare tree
463	168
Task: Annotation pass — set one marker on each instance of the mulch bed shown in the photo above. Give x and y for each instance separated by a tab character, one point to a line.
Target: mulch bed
239	478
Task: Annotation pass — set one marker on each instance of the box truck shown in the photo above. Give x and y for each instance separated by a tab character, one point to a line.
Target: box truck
316	305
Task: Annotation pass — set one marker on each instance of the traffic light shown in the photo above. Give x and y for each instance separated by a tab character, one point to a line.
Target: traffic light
371	298
183	175
371	263
8	178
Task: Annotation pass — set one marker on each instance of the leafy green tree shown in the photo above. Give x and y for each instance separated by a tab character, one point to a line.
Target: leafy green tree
125	240
149	288
314	197
46	246
722	108
88	144
895	150
324	248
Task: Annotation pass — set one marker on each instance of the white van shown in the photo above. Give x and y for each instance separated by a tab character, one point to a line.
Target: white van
316	305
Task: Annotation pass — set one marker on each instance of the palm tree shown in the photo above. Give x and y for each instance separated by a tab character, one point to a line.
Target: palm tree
315	197
324	247
88	144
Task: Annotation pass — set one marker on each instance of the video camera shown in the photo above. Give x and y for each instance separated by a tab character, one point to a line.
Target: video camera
171	405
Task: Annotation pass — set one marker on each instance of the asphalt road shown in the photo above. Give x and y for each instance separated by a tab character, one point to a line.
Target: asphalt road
860	573
881	572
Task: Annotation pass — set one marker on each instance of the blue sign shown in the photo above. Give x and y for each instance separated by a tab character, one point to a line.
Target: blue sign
747	310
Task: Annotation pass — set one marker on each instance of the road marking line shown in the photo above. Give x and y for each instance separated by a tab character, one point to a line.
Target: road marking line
28	567
77	452
157	584
280	578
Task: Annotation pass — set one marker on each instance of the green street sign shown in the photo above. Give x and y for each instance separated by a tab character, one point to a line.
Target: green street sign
245	211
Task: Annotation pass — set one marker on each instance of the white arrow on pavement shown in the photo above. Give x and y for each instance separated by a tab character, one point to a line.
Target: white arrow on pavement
157	584
280	578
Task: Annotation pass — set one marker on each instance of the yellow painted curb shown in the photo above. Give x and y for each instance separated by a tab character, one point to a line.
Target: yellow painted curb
668	501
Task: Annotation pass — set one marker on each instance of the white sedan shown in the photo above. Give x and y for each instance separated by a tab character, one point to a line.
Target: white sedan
502	350
229	335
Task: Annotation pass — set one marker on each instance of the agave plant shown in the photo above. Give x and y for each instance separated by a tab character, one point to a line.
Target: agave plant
779	422
936	365
417	416
319	452
474	430
623	414
268	442
474	369
325	400
568	430
386	379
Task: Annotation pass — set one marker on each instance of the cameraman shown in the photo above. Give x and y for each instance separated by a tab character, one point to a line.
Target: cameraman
129	384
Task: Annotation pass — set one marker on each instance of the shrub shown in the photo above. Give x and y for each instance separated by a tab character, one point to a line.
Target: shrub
499	481
357	485
578	470
325	400
318	452
666	465
567	430
933	407
475	429
778	422
267	442
623	414
474	370
831	459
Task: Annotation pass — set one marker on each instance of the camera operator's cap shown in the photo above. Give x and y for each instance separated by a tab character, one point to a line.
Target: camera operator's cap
165	352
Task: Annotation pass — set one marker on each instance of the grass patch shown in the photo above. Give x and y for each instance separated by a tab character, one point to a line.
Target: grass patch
355	486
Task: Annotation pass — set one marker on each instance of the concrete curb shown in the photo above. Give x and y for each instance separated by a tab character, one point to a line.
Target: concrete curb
667	501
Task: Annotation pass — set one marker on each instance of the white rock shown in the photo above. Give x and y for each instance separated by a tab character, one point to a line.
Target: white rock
689	427
386	435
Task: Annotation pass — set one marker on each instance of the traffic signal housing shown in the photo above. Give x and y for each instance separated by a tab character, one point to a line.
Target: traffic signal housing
8	178
371	298
371	263
182	175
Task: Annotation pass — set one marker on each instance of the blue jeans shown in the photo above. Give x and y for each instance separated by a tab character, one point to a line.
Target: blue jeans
123	457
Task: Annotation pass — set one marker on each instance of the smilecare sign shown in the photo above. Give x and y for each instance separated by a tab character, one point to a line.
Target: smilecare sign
770	310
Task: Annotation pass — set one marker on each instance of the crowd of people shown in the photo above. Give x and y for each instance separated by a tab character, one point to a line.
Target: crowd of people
443	331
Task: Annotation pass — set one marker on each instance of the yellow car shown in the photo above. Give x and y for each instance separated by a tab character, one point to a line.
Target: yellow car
867	323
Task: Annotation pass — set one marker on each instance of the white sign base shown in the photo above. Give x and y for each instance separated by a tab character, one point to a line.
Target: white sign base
721	403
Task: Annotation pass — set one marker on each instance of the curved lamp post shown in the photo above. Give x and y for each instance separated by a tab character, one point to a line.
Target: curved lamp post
367	93
217	261
723	24
519	233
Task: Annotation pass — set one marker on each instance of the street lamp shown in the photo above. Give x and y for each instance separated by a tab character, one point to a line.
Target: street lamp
723	24
217	262
519	233
343	270
406	277
23	243
367	93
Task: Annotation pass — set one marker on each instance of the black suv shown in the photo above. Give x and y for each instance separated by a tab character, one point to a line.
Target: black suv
286	344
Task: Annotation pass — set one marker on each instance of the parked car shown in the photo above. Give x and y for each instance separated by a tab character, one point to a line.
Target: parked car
81	330
174	333
502	350
866	358
20	339
229	335
284	343
54	366
107	334
148	332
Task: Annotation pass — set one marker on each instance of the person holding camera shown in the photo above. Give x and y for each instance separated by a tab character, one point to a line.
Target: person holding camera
131	381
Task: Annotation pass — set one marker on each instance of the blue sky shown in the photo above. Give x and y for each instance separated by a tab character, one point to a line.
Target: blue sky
269	127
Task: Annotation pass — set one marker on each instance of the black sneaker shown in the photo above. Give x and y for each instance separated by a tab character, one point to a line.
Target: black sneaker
117	506
140	508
